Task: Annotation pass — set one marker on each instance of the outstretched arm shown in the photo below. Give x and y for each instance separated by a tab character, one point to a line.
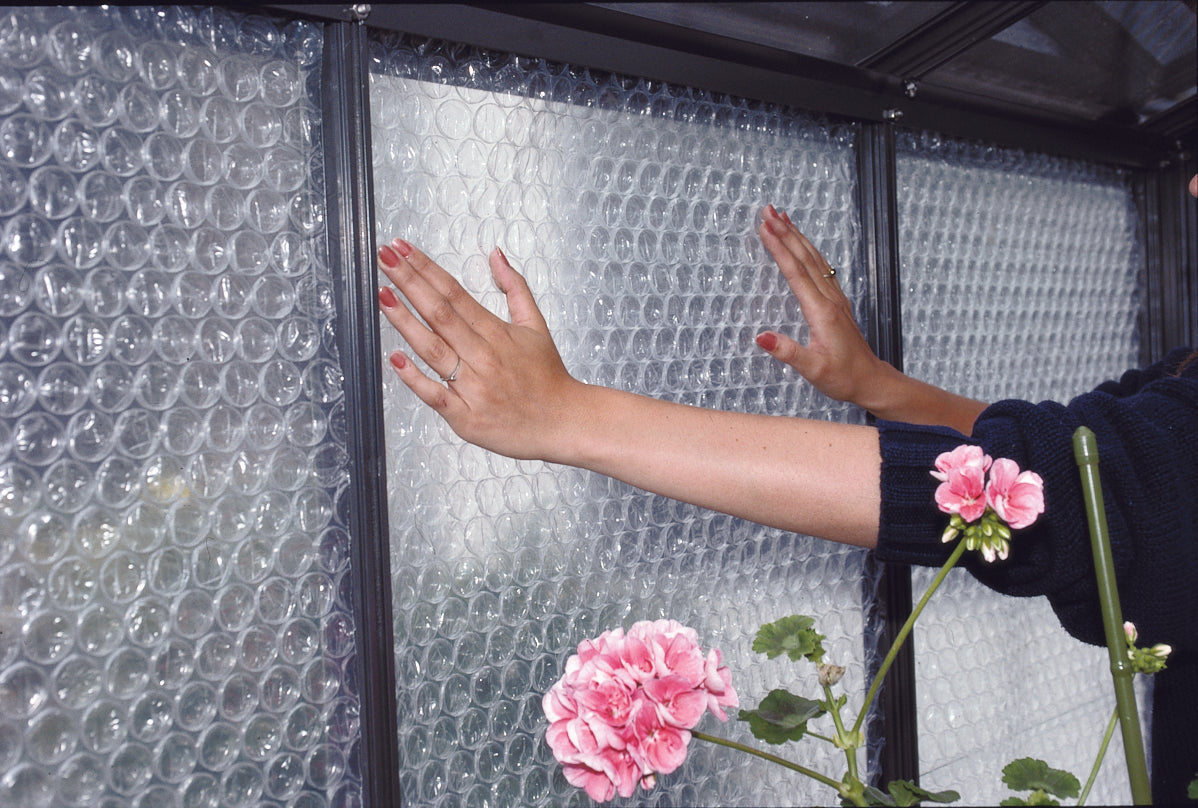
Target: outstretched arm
837	359
511	393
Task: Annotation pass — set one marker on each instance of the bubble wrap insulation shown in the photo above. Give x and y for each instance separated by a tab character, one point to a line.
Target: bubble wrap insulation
1019	277
175	627
632	208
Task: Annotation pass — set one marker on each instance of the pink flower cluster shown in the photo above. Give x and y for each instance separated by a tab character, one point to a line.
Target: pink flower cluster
1017	497
623	711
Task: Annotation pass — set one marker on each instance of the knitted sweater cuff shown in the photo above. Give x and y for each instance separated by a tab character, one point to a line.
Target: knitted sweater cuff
911	525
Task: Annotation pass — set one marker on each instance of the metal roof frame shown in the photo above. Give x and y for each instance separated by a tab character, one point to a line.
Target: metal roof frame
879	89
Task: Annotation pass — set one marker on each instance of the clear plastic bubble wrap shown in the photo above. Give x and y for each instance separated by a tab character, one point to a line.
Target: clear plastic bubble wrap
631	206
175	627
1020	280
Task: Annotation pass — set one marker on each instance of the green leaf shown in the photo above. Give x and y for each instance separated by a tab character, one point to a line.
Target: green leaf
874	797
1192	791
793	636
781	717
907	793
1037	797
1029	774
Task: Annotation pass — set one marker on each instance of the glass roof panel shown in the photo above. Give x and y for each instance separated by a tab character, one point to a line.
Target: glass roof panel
843	32
1120	62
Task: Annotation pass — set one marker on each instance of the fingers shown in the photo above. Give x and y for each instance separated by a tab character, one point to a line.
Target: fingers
454	333
788	351
451	314
438	396
805	269
434	350
520	304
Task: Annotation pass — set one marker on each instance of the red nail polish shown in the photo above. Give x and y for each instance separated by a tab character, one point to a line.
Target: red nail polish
388	258
771	211
402	247
387	298
770	226
785	218
767	341
398	360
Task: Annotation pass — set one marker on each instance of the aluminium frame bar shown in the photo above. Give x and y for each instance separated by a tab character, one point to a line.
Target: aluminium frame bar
947	35
888	607
350	205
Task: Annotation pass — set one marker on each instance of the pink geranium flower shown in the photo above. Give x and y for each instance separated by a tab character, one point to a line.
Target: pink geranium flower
986	511
1017	497
964	456
962	475
622	712
963	492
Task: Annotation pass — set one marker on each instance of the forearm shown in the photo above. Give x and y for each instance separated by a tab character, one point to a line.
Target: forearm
812	477
896	397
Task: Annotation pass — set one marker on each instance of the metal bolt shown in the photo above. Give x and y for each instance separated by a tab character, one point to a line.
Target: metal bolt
358	12
910	87
892	114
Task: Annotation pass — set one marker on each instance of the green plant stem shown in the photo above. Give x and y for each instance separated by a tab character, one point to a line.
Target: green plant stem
819	737
850	751
1106	741
958	551
781	761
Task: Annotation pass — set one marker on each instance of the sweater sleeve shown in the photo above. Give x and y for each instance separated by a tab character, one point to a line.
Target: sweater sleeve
1147	434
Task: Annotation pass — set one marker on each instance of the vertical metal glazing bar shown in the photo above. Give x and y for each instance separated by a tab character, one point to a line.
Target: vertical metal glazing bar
351	234
1152	314
897	751
1170	235
1175	252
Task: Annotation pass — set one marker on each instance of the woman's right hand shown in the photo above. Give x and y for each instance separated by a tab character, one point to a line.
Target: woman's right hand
503	385
836	359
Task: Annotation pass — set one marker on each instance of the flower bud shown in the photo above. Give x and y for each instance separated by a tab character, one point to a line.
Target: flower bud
1129	628
830	674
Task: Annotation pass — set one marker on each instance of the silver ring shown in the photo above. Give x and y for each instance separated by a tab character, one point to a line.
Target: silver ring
454	375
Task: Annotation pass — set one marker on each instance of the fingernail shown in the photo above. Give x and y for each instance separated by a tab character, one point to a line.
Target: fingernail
771	210
388	257
502	255
402	247
785	218
767	341
770	226
398	360
387	297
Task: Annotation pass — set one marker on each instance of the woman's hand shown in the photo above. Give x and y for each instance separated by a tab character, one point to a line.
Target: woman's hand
836	359
503	385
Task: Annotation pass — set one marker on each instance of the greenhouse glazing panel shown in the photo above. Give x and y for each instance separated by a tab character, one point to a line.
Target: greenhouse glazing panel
175	623
1020	277
632	208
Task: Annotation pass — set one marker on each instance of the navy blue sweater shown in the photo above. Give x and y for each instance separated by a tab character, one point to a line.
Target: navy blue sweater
1147	430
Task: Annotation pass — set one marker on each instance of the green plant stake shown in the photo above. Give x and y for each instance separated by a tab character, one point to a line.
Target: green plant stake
1085	450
